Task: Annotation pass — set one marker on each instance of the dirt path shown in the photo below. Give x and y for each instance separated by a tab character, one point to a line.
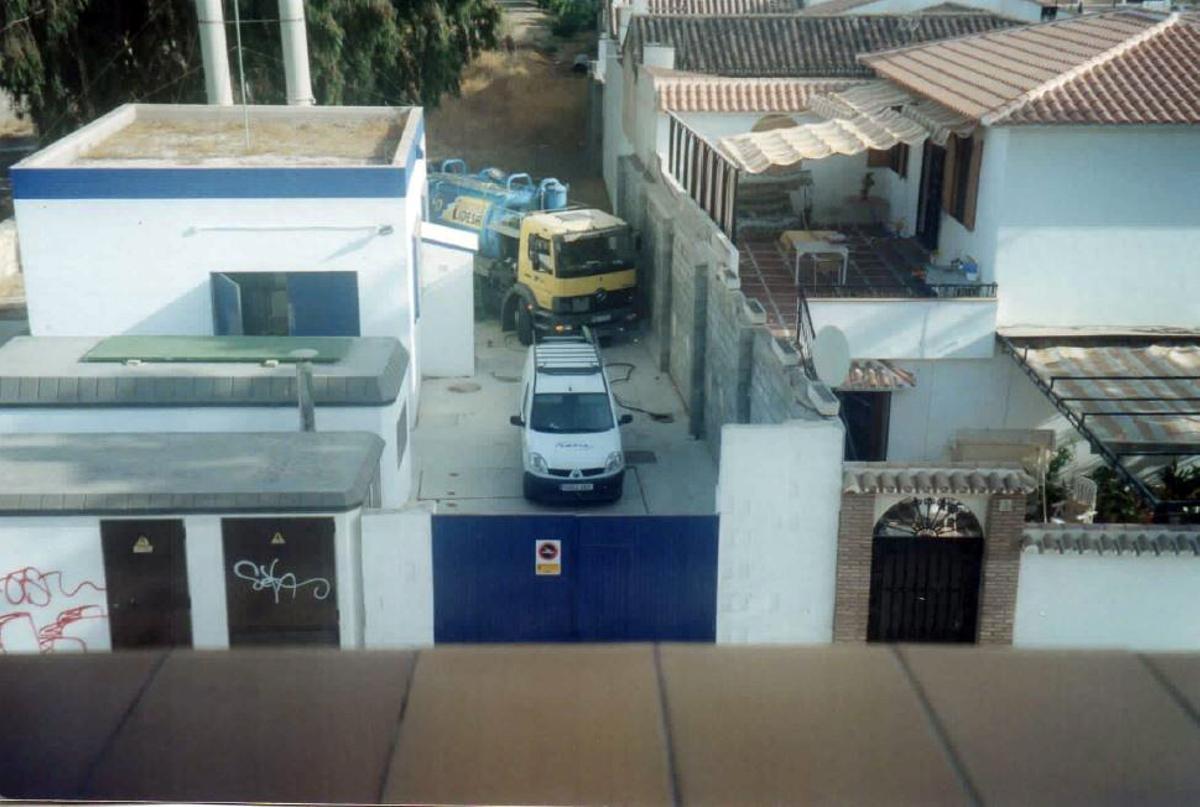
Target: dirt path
524	110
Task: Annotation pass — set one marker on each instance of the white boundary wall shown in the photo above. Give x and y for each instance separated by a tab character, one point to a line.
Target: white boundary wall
447	323
778	497
51	564
1140	602
397	564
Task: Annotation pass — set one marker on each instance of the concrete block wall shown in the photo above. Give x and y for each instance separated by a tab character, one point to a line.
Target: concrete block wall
728	356
687	308
631	191
658	239
776	380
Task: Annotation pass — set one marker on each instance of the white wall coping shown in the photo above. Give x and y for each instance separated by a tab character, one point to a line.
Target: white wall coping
1113	539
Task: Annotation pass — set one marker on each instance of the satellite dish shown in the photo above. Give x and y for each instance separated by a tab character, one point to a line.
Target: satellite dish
831	355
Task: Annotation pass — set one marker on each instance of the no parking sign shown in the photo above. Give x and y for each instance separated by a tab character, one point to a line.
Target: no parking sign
547	558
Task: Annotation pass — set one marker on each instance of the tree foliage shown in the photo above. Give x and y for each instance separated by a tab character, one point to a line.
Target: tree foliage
68	61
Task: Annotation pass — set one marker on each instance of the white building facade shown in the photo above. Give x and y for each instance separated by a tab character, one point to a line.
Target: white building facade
135	223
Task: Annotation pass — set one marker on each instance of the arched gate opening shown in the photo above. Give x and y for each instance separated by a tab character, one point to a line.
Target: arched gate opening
926	563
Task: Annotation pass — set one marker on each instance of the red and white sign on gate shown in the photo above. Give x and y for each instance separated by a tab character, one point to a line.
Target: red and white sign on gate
547	558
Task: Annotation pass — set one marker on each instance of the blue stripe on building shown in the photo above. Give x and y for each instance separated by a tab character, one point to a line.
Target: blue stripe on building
375	182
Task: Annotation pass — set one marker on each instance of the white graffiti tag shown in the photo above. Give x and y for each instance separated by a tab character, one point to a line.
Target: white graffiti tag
263	577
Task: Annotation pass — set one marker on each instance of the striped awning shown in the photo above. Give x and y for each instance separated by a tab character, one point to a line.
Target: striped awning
873	375
1136	393
874	115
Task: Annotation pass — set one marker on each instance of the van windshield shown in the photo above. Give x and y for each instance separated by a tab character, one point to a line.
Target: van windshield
570	412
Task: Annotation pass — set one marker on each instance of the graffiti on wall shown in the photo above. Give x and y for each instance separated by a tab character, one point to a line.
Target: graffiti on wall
40	612
262	577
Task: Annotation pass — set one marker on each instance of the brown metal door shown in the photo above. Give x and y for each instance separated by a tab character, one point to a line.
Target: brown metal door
146	574
280	581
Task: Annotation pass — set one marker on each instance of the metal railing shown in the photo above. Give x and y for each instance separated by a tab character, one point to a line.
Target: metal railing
916	290
806	333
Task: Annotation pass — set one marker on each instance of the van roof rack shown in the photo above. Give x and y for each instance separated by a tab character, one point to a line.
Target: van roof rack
566	355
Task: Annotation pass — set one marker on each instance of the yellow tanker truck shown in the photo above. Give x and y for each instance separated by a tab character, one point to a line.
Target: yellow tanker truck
541	265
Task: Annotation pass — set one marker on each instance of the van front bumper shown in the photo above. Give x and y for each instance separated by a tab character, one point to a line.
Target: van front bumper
586	489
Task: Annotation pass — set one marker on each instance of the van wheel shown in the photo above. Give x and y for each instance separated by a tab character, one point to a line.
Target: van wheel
524	325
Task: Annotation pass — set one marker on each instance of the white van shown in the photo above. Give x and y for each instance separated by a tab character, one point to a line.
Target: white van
570	440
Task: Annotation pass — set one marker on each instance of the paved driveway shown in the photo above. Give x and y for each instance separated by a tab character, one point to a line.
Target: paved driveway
469	456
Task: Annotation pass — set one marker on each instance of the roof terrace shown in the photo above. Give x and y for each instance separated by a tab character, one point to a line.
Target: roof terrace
176	135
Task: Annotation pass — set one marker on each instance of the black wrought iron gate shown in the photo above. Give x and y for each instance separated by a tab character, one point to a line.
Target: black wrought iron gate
924	588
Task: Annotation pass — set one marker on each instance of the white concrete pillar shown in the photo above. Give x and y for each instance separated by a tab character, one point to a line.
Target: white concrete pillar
214	51
295	52
778	495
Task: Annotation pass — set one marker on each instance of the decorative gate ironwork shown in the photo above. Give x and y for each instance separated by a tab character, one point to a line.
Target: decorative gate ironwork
926	563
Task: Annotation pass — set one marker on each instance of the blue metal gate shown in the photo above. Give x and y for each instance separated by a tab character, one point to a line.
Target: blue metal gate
619	578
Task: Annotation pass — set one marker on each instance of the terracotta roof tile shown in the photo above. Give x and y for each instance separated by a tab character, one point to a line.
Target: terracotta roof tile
678	91
723	8
1126	67
776	46
949	478
1114	539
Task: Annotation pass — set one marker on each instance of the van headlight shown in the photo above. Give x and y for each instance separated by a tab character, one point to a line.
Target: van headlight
616	461
538	463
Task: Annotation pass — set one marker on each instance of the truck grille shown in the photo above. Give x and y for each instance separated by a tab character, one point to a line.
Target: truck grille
597	301
566	472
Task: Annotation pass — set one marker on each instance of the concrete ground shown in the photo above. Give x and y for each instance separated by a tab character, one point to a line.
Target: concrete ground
469	456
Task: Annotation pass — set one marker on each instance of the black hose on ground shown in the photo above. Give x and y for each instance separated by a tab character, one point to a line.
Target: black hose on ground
661	417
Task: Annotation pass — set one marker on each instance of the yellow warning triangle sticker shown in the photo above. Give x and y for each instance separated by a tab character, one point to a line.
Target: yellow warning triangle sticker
277	538
142	545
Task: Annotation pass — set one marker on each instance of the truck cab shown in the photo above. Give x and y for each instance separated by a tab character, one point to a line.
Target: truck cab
570	427
575	268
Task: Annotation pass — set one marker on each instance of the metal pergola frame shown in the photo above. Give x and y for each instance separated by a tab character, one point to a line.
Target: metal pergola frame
1078	420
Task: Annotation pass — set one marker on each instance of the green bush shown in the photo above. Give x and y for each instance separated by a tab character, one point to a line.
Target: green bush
572	16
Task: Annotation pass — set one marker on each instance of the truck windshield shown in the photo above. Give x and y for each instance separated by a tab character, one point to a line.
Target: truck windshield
596	254
570	412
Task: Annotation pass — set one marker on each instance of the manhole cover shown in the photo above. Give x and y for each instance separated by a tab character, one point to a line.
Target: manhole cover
506	379
464	386
640	457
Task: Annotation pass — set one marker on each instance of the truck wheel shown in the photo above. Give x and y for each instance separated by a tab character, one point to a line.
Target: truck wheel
524	325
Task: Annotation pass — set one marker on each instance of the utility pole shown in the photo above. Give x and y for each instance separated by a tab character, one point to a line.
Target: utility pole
295	52
217	86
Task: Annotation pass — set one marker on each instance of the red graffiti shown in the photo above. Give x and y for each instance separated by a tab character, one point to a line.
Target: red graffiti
51	635
34	588
30	586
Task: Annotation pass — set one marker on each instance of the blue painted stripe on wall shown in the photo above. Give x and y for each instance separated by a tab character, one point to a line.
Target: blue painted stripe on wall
447	245
416	152
210	183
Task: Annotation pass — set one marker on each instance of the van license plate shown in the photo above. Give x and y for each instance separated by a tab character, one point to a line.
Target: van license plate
573	487
601	318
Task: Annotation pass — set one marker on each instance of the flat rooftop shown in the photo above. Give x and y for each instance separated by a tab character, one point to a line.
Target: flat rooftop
607	724
177	135
214	472
197	370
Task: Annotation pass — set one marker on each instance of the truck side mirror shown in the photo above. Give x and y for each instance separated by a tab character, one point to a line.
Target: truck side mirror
516	420
625	420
